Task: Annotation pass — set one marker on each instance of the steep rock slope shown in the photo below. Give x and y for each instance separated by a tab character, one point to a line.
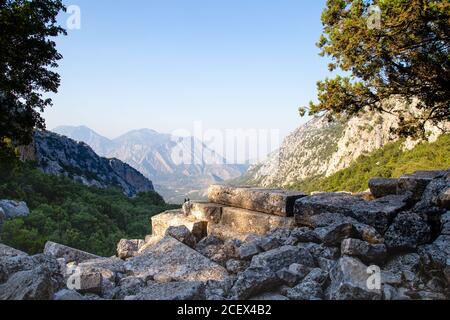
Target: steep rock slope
322	148
59	155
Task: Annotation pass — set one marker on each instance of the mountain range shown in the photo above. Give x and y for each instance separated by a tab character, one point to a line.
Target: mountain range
58	155
158	157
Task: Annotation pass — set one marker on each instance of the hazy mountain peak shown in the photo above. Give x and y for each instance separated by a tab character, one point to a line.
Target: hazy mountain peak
151	153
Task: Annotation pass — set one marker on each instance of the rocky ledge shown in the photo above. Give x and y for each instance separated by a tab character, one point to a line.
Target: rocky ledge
391	243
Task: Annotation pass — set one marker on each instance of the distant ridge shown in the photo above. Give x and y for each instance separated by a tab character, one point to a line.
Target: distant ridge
151	153
59	155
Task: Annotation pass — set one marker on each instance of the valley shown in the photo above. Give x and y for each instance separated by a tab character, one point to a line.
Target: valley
156	156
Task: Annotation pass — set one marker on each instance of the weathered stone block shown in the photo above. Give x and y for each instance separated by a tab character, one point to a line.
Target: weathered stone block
283	257
86	282
211	212
349	279
128	248
57	251
365	251
182	234
333	235
251	222
381	187
444	199
417	182
173	258
35	284
271	201
408	231
377	213
176	218
253	281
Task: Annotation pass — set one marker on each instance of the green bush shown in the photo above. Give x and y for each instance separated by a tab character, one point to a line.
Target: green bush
389	162
69	213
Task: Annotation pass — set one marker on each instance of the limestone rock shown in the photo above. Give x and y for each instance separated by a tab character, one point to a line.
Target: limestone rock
445	224
208	241
176	218
431	196
306	290
211	212
253	281
349	281
444	199
310	288
172	258
288	277
304	235
86	282
300	270
128	248
321	251
173	291
224	232
283	257
57	250
13	209
365	251
130	286
269	296
417	182
249	250
333	235
327	219
436	256
251	222
405	265
377	213
219	290
381	187
6	251
12	263
271	201
67	295
407	231
317	275
2	216
182	234
35	284
110	268
236	266
269	243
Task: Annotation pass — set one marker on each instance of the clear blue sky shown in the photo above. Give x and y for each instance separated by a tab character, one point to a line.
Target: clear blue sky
163	64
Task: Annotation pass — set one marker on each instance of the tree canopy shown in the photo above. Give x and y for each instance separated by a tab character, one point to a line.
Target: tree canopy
28	57
406	55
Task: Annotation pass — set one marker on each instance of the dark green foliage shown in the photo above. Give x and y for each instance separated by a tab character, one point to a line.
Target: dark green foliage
388	162
27	57
405	53
85	218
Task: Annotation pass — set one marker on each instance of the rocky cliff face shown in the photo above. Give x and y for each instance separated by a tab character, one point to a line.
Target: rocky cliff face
58	155
321	148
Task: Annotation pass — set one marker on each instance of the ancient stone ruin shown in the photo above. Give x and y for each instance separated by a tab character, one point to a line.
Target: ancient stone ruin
250	243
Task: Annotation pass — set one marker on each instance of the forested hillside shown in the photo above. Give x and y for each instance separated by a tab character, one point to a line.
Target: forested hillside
389	162
70	213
